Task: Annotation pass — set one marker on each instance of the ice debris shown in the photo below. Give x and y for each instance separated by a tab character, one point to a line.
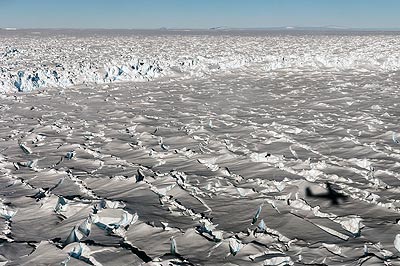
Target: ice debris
30	164
86	226
107	204
70	155
294	153
174	248
278	259
395	139
110	219
75	236
257	215
82	252
209	228
261	227
235	246
139	176
164	147
61	205
26	149
79	232
6	212
397	242
335	249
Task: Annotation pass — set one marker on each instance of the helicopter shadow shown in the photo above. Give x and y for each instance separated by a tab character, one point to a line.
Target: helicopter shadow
332	195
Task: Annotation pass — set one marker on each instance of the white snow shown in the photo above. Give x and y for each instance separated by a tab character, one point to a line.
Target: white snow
59	60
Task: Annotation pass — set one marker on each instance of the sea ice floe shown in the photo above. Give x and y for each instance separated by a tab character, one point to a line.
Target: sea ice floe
335	249
278	259
243	192
353	224
333	232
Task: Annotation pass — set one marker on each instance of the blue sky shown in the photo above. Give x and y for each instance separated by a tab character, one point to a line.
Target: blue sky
198	13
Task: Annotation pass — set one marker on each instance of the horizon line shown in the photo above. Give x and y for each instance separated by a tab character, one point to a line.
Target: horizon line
218	28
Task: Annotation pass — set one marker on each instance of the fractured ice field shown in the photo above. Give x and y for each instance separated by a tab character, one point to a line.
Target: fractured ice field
199	148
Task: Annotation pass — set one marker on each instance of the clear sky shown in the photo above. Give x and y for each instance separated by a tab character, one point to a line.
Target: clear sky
198	13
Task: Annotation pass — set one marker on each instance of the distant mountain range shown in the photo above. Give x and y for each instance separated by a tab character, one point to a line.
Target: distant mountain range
300	28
